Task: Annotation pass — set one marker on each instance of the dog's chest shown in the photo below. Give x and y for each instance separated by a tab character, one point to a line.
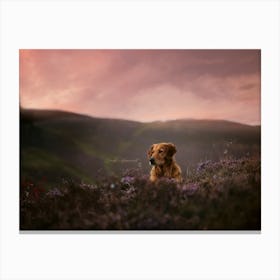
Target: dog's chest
162	172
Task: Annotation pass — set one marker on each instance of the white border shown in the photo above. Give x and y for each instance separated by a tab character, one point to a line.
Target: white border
154	24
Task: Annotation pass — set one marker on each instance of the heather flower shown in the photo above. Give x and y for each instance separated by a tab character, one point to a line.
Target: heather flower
190	188
127	180
203	165
167	180
210	199
130	190
88	186
54	192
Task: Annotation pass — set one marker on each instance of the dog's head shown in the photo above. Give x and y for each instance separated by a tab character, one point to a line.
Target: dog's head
161	153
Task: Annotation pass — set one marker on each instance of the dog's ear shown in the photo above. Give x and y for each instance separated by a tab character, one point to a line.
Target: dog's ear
171	149
150	151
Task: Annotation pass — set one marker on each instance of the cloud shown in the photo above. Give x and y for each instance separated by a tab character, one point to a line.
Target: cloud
144	85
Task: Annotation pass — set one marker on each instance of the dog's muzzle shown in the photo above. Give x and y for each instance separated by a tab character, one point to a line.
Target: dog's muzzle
152	161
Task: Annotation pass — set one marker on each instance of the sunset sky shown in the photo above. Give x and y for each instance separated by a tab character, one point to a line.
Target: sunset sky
144	85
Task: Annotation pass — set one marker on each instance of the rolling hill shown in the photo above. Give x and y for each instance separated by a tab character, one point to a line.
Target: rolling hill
56	144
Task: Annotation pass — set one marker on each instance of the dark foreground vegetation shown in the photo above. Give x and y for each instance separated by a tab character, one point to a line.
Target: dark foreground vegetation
217	195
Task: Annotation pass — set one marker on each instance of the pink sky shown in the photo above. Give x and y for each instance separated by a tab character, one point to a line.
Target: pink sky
144	85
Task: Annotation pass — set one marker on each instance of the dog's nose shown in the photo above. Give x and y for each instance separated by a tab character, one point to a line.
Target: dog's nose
152	161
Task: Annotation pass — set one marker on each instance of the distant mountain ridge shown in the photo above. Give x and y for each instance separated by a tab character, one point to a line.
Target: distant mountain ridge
46	113
56	144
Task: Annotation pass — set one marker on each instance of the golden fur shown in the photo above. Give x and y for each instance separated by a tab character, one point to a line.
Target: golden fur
161	156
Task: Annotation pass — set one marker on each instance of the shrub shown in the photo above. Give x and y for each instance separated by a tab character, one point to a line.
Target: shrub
223	195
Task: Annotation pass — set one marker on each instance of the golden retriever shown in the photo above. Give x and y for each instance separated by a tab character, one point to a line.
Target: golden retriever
161	157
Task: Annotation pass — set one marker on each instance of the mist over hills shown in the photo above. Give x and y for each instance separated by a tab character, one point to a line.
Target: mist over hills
57	144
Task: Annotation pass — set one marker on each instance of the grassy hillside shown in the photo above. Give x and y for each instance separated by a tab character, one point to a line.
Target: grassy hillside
56	145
